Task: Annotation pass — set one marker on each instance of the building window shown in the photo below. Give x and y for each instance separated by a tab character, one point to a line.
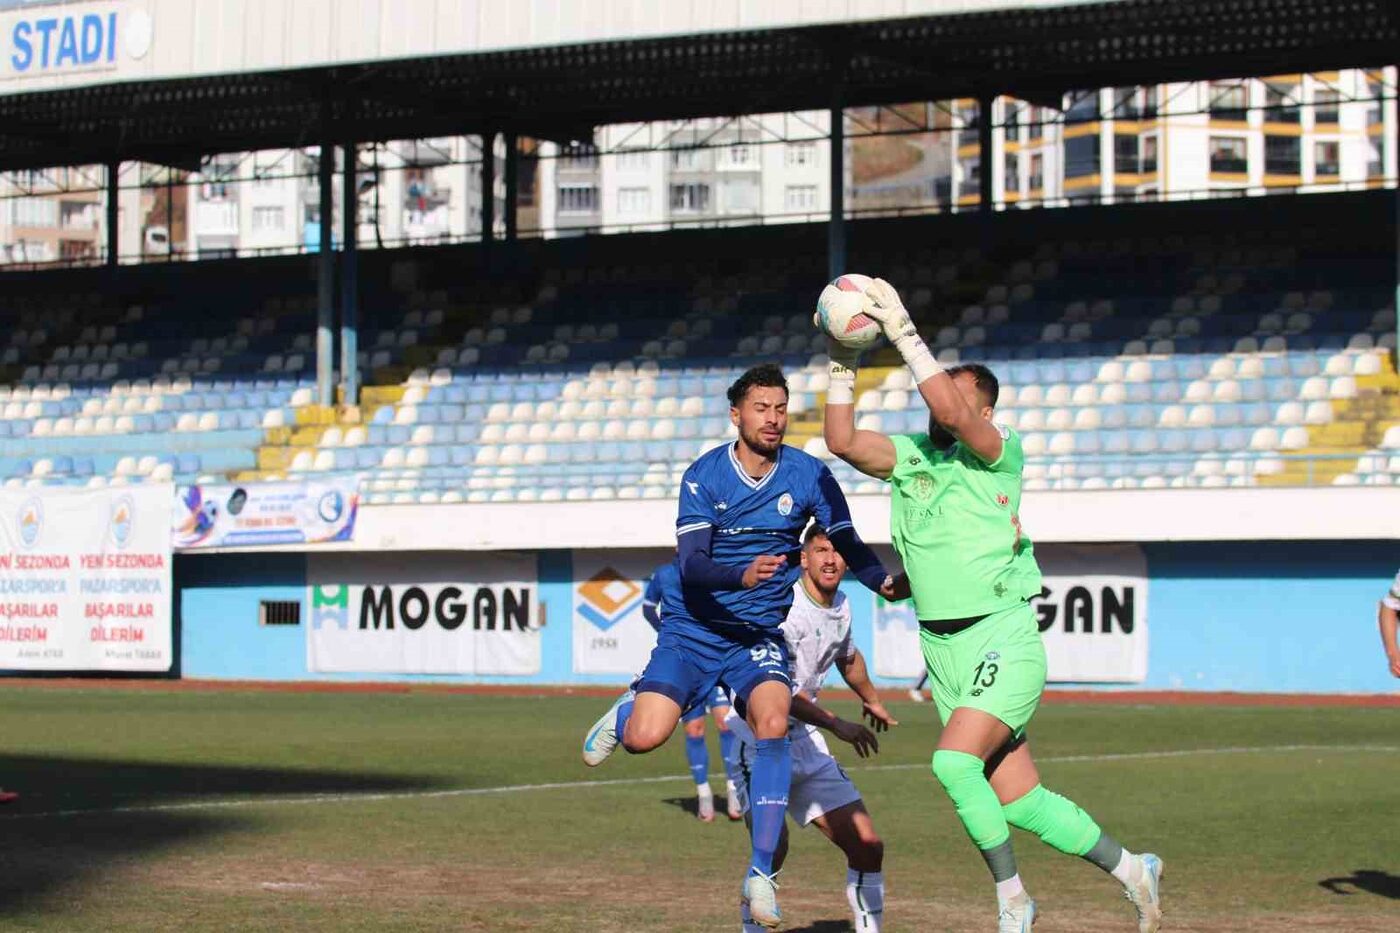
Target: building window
1126	103
1326	104
690	198
1082	156
1228	100
1034	129
267	218
1227	154
741	196
1327	158
634	201
1037	179
1149	154
798	198
741	155
800	154
578	199
1011	175
1083	107
34	212
1282	155
1125	153
634	160
686	160
579	157
1281	103
1011	121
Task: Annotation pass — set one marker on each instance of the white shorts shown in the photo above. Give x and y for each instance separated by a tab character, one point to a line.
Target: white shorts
819	785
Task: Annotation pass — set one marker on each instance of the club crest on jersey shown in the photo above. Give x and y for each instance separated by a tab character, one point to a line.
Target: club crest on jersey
785	504
1003	500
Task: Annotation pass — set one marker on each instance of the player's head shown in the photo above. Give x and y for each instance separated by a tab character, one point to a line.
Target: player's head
978	385
758	403
822	564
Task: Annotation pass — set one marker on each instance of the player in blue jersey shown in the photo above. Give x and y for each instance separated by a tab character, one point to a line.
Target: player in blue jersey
743	507
697	753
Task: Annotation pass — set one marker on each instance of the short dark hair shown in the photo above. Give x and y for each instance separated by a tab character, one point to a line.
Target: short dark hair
986	381
813	532
765	375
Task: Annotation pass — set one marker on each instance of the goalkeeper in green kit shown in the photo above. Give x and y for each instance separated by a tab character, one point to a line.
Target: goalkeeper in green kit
954	502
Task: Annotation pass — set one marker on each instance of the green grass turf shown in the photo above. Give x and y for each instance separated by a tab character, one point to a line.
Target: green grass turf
1247	837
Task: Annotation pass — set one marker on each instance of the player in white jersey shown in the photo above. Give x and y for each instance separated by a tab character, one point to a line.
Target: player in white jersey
1389	615
818	636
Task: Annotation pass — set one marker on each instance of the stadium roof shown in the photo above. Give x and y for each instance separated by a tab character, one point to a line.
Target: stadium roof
562	91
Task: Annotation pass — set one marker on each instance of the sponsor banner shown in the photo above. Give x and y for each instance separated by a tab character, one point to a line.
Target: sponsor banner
423	614
310	512
1092	612
85	579
611	636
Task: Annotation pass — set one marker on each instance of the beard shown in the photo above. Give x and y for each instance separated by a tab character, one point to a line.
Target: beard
756	443
940	436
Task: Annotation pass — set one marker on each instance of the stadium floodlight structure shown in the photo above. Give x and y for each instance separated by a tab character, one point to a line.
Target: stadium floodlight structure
168	82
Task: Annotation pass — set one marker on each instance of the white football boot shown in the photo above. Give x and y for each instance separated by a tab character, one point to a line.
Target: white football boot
1145	891
705	803
602	740
1017	915
761	895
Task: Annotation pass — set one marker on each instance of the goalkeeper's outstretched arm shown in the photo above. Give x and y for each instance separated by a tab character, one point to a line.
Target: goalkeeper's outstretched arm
868	451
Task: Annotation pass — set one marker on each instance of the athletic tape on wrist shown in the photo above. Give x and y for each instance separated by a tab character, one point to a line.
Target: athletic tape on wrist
841	390
918	358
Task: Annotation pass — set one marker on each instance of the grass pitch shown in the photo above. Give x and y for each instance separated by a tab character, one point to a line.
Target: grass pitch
176	810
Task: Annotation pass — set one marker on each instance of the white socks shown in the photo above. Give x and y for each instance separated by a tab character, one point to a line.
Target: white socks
1123	871
1009	888
865	891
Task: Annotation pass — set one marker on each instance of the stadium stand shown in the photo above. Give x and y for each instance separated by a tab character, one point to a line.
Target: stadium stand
1213	356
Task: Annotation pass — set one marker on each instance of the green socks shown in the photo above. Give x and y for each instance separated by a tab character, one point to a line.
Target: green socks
977	805
1063	825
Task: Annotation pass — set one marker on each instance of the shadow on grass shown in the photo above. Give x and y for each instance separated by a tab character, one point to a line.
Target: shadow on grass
1364	880
824	926
692	806
77	819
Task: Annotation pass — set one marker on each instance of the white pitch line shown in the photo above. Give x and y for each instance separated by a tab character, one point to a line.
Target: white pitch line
625	782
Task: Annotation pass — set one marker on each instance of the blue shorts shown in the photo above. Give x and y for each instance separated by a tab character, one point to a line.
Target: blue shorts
691	660
716	700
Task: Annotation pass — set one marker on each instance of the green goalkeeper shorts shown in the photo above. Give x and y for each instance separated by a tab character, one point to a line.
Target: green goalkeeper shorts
996	666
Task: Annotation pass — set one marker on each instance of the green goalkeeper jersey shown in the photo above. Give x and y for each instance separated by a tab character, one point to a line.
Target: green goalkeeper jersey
956	525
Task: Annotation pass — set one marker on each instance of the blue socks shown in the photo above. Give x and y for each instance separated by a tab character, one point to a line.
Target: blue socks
624	713
727	742
768	799
697	753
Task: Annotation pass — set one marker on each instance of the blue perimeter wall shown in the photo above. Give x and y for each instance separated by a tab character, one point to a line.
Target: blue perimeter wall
1252	617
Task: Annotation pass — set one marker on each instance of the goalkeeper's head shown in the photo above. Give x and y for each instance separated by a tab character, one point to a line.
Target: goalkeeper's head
758	403
978	385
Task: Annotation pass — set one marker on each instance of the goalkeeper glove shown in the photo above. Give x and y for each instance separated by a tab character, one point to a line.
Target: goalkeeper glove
899	330
841	387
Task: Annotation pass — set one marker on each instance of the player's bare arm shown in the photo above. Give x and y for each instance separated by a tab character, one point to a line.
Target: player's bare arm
1388	623
857	677
950	403
868	451
853	733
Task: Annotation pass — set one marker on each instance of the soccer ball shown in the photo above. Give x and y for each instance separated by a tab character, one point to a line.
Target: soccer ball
841	312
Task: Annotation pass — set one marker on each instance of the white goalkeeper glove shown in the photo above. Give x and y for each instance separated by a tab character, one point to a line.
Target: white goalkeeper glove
841	372
899	330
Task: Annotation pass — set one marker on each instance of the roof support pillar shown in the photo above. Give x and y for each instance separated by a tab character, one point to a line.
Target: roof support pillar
836	220
488	187
113	211
325	265
512	184
986	191
349	280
